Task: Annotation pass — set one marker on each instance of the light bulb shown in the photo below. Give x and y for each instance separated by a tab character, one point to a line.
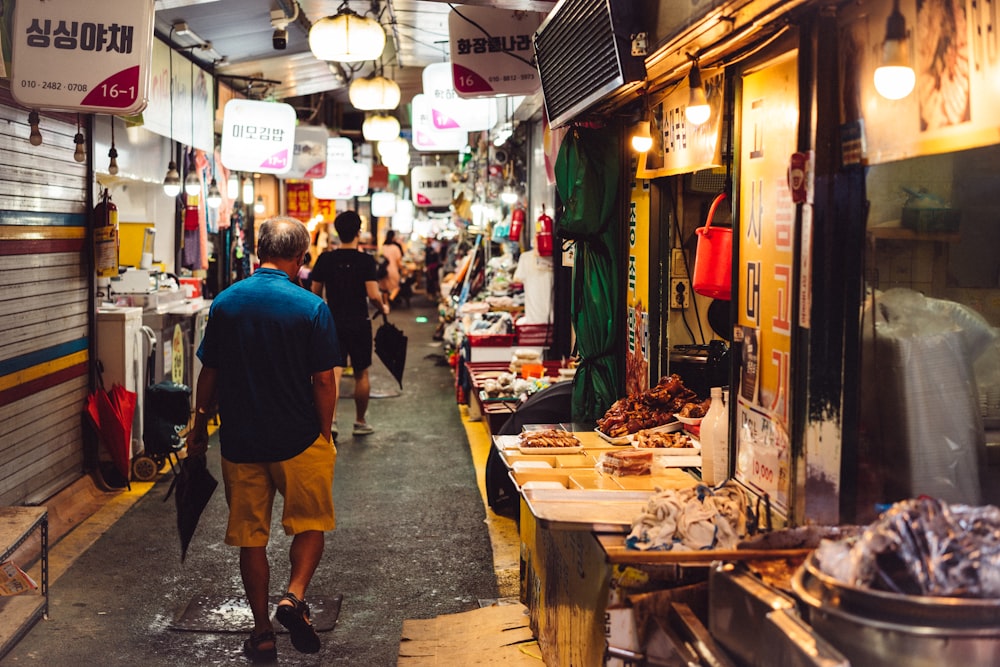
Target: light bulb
214	197
698	110
642	141
35	137
192	185
258	206
233	186
113	165
894	78
79	154
247	190
172	181
509	195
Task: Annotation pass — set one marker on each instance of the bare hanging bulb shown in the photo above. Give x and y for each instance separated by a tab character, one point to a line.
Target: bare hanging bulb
79	154
35	137
113	166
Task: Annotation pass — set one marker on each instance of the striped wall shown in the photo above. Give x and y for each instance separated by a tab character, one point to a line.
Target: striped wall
45	307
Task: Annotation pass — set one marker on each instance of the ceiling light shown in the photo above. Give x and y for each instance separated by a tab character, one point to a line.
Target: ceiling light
347	37
698	110
214	196
509	195
380	127
894	77
192	185
393	147
258	206
172	181
642	140
374	93
247	190
233	186
35	137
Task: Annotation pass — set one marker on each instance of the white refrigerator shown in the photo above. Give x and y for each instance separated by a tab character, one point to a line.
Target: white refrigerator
120	350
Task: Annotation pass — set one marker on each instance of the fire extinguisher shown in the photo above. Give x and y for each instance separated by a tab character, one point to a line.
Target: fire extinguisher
516	224
106	237
543	234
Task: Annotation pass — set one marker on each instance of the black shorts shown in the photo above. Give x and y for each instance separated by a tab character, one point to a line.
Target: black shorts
355	338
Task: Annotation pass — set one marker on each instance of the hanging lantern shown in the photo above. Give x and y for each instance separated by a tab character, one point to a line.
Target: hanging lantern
347	37
374	93
380	127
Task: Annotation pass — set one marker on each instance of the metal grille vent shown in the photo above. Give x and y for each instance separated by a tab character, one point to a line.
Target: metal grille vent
583	54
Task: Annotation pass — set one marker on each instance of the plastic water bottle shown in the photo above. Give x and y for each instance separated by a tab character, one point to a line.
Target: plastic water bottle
714	434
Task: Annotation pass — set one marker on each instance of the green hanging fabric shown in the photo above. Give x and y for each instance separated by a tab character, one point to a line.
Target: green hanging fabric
587	172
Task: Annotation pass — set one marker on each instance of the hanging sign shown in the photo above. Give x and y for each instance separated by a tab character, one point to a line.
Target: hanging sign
431	186
451	112
383	204
426	137
258	136
299	198
309	152
500	62
91	57
343	180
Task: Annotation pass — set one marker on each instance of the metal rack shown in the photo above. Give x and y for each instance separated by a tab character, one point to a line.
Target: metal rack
21	612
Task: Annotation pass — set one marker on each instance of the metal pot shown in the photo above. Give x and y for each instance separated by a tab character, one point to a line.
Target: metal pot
875	628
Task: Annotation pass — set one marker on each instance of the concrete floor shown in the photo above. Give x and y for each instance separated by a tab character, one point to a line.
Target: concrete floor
414	540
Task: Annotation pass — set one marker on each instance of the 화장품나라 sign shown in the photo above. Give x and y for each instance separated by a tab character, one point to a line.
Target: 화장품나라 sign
91	57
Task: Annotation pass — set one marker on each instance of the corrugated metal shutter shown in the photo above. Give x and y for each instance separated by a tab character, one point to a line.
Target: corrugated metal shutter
45	306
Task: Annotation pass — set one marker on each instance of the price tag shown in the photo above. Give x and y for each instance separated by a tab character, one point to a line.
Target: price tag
92	57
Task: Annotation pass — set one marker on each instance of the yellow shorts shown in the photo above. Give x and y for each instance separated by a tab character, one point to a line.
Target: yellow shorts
305	482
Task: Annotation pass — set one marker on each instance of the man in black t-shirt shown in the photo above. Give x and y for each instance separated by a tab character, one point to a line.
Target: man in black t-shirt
347	274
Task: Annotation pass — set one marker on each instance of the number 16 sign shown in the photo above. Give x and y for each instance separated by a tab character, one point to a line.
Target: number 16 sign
92	57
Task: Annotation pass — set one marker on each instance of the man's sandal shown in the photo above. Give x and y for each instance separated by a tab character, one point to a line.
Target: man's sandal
295	617
253	650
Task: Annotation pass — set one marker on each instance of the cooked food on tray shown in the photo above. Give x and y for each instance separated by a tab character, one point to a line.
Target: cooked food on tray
651	408
549	438
658	439
626	462
695	410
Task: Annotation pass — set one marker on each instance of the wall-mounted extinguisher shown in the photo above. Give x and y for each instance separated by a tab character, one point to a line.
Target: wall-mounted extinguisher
106	237
516	224
543	234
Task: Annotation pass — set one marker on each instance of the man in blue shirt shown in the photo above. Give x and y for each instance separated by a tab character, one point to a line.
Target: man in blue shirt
268	355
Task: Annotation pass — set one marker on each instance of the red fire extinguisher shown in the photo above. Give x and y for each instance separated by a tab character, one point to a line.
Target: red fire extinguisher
543	234
516	224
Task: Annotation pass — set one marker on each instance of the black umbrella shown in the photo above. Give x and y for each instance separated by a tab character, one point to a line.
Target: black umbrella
193	487
390	346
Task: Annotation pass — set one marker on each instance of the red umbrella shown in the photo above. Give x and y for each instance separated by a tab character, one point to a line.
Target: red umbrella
112	413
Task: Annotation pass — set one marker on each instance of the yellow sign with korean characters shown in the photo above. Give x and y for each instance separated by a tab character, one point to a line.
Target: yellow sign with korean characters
766	265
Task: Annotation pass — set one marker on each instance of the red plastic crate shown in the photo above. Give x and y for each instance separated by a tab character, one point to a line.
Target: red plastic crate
534	335
491	340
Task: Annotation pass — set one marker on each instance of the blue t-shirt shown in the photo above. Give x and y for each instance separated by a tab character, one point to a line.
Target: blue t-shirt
265	337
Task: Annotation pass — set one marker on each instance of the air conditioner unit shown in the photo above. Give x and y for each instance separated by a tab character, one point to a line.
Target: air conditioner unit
583	53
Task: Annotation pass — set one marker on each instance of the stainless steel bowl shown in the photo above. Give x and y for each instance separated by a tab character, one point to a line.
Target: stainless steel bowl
875	628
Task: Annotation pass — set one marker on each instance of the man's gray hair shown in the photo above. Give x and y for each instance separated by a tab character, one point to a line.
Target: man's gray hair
282	238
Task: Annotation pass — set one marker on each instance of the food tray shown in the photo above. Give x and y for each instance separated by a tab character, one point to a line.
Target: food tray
669	427
507	441
693	450
491	340
591	510
486	398
550	450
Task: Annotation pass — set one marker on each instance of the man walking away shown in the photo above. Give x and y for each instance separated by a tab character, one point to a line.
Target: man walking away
347	275
268	356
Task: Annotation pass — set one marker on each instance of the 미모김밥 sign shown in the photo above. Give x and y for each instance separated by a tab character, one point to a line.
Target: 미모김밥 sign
258	136
91	57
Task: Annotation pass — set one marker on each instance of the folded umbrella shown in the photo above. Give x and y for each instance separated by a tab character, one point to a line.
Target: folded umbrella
111	414
390	347
193	488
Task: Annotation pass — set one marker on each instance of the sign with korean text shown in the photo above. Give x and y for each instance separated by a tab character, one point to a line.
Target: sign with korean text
431	186
451	112
91	57
258	136
181	100
343	180
637	290
299	200
495	61
680	146
766	266
309	152
426	137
